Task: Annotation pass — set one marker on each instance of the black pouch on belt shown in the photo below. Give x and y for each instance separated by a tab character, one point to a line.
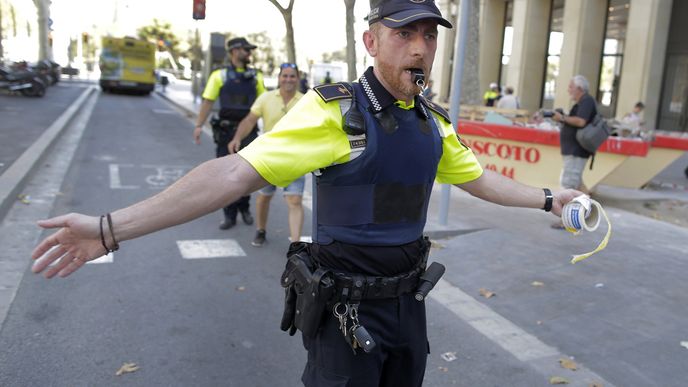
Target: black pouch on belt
307	291
223	130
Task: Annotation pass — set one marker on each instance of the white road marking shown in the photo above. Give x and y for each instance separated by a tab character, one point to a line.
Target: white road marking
210	248
304	238
116	181
164	111
109	258
519	343
509	336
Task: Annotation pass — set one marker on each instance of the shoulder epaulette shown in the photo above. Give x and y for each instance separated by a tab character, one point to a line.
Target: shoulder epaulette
437	109
333	91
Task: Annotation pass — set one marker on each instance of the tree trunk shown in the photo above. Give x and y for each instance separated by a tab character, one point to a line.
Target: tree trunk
350	40
470	83
43	10
286	14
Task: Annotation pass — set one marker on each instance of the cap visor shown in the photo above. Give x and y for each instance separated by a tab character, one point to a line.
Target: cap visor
250	46
403	18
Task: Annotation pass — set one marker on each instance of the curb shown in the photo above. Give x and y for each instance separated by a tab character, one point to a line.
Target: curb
11	181
180	106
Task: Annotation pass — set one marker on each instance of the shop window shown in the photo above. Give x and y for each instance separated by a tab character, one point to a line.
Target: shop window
612	56
555	43
507	41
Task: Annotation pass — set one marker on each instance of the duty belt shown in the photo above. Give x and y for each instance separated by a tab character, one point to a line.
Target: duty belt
355	287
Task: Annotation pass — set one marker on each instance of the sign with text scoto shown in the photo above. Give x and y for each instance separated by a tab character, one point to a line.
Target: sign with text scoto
532	156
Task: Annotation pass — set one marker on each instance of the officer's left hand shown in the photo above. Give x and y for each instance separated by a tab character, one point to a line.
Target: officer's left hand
234	146
197	134
561	198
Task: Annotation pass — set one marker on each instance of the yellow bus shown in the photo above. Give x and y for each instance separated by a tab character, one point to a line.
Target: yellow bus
127	64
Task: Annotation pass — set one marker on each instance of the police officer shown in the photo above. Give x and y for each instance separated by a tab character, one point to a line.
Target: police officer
237	86
378	146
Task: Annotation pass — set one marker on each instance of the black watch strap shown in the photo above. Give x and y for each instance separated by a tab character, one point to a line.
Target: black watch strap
549	198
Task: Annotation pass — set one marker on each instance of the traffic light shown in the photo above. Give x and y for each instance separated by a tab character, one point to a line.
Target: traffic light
199	9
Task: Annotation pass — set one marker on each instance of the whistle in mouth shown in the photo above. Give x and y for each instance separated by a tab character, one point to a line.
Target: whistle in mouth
419	78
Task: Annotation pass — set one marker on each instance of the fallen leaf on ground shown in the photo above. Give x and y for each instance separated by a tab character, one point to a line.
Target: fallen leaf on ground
24	198
537	283
486	293
443	369
558	380
240	288
595	384
568	364
127	368
684	344
448	356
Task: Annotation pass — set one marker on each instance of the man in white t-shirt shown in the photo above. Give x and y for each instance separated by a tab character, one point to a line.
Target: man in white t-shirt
508	100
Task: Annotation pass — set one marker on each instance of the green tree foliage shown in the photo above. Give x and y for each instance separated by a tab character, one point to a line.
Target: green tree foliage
335	56
264	55
161	34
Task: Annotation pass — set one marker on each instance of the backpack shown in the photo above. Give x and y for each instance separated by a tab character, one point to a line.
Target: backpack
593	134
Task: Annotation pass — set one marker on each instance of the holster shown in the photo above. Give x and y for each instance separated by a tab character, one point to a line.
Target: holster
223	130
307	291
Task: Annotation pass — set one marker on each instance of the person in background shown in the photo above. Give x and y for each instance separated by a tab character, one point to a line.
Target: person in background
303	83
508	100
492	95
575	157
271	106
237	86
634	119
328	78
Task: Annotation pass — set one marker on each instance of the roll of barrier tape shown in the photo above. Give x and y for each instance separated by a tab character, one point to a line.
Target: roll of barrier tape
583	213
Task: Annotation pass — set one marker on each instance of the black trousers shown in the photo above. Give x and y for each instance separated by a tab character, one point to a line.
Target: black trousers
398	327
243	203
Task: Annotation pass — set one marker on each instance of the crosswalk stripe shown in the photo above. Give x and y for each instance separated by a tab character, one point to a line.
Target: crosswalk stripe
210	248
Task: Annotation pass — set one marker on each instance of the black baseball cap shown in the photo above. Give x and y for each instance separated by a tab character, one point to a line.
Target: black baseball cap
239	43
398	13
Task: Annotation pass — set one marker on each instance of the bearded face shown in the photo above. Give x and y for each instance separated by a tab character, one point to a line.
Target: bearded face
401	52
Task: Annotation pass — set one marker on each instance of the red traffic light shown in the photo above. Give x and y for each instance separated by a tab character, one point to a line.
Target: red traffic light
199	9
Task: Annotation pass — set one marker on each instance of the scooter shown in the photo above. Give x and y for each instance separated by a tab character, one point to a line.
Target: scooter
25	82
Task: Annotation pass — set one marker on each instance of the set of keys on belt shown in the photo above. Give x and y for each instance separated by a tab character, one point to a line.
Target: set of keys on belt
356	335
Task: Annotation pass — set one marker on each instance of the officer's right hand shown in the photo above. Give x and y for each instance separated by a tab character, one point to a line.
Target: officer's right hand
76	242
197	134
234	146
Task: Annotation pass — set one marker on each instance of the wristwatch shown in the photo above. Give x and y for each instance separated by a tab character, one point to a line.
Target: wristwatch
549	198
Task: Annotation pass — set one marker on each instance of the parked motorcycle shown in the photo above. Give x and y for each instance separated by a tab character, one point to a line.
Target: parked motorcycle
48	70
23	81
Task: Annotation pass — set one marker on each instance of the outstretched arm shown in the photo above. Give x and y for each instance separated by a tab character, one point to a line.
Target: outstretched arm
78	239
498	189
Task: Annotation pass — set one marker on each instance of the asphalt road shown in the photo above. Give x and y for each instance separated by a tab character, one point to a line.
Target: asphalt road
197	306
24	119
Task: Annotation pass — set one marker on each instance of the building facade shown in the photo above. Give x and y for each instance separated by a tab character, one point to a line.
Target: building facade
629	50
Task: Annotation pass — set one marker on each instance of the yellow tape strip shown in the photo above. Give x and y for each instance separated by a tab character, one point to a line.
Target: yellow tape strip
602	245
